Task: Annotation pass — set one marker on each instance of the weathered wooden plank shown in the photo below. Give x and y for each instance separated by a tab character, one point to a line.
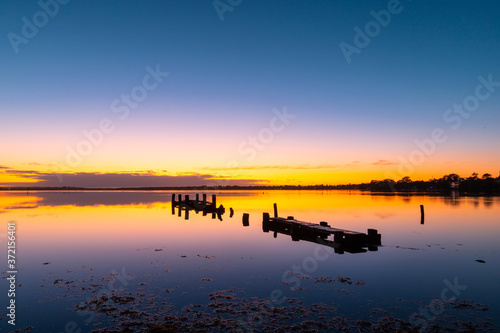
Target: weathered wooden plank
314	226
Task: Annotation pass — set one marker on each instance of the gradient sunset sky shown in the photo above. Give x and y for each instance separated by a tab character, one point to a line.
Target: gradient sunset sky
247	92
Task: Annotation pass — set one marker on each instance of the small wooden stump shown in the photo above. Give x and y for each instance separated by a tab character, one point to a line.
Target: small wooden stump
265	222
246	219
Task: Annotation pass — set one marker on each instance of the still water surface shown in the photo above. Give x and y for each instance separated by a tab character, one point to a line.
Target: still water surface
74	247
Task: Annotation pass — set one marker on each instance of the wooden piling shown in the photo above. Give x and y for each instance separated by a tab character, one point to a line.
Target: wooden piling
231	212
265	222
373	237
186	216
214	200
187	199
204	198
265	217
173	203
197	197
422	215
246	219
275	210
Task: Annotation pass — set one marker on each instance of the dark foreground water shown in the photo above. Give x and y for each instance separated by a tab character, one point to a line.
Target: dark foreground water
121	261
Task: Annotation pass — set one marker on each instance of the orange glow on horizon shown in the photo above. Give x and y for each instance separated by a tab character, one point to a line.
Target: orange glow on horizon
263	175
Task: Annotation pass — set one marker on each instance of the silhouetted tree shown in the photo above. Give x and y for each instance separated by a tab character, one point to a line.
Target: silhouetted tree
405	180
452	177
474	176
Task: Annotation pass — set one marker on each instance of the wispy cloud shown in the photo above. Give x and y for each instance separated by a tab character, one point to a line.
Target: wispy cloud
384	162
288	167
23	173
278	167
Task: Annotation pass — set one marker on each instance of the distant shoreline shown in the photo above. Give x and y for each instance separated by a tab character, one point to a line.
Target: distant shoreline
442	192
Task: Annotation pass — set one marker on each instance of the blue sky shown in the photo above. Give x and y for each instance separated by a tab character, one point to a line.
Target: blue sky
230	74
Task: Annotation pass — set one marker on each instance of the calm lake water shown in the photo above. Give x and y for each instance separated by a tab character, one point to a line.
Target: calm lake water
96	260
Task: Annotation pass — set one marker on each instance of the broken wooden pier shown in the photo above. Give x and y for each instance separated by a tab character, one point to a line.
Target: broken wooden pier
343	240
197	205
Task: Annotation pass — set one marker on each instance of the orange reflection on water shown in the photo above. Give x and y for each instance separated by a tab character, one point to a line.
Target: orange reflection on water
51	227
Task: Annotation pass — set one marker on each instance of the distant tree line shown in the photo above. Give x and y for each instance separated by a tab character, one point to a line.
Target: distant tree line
486	183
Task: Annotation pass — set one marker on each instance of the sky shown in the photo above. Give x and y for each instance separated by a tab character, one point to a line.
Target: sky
239	92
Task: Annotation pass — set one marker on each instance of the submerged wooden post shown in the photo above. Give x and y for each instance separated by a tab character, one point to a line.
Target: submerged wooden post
231	212
275	210
246	219
422	215
374	238
173	203
186	217
265	222
265	217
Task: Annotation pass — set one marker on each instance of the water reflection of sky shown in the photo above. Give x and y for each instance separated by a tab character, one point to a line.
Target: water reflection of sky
87	235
